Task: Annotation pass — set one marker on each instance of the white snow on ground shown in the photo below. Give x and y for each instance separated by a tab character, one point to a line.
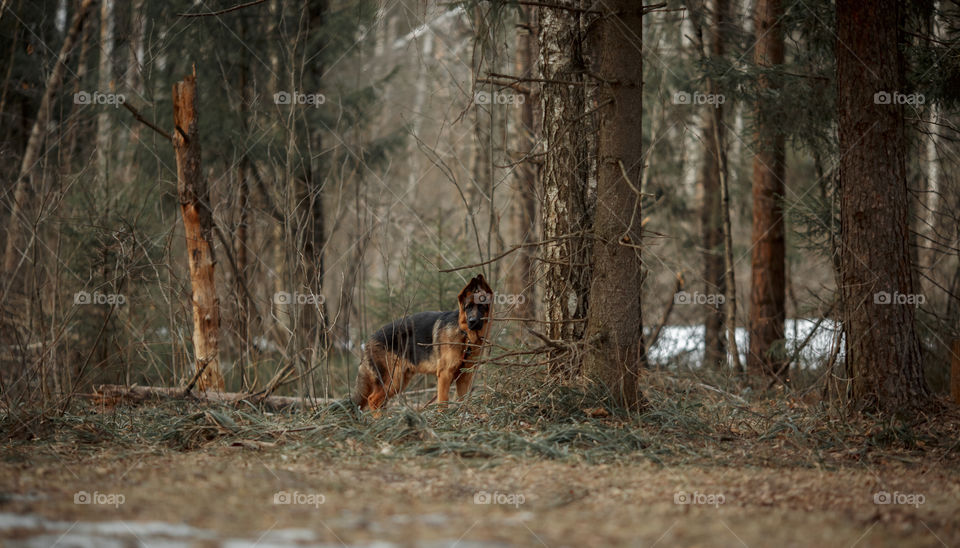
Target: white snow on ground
682	345
33	531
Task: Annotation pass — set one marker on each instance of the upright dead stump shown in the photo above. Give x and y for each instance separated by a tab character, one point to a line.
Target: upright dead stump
198	228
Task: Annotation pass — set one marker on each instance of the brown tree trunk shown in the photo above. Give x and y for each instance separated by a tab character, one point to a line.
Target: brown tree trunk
311	318
768	275
241	234
312	229
614	329
711	222
244	305
134	83
883	351
565	215
105	85
198	228
711	213
524	278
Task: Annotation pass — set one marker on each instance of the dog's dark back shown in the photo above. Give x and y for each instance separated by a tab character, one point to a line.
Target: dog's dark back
411	337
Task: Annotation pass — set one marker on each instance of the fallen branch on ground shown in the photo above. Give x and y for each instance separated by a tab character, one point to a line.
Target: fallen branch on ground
115	393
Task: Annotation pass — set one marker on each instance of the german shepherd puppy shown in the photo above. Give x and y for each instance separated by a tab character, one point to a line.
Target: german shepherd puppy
445	344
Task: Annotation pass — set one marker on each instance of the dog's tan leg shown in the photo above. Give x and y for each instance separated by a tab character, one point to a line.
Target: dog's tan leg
444	378
463	383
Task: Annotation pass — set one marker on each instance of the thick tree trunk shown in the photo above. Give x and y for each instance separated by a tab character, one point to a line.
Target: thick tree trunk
565	215
198	228
883	351
490	122
312	227
711	223
614	331
768	280
711	212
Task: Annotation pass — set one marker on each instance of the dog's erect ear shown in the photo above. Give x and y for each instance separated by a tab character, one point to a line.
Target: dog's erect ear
476	291
482	284
463	299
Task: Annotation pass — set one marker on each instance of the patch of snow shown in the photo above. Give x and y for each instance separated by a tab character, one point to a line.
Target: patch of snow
682	345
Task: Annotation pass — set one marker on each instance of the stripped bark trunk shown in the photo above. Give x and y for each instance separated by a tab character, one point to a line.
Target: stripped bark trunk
198	228
767	354
614	332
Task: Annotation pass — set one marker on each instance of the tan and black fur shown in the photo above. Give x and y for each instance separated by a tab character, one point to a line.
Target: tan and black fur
444	344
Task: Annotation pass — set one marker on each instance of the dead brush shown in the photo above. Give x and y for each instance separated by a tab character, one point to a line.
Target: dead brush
693	418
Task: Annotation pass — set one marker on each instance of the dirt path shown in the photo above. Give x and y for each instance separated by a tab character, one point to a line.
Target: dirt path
241	497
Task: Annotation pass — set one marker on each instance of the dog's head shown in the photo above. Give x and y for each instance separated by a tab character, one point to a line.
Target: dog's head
476	307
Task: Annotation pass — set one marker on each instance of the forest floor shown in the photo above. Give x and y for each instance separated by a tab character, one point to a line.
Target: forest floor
697	469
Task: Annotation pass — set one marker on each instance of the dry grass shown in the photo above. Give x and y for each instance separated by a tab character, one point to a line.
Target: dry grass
688	421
